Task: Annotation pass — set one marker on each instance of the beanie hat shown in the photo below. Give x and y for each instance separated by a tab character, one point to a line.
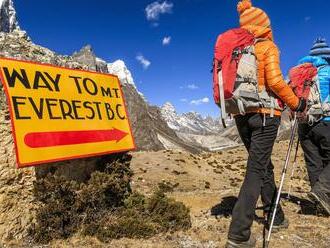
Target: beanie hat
250	15
320	48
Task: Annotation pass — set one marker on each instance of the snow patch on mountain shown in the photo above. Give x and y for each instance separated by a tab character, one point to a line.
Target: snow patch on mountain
191	122
120	69
8	20
206	132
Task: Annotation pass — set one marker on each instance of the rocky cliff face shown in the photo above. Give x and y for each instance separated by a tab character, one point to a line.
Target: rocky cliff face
8	21
87	57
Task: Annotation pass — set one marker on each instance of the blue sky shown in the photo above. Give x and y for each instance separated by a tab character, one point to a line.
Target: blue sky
178	72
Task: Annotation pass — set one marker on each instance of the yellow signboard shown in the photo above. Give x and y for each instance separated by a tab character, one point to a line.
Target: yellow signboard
59	113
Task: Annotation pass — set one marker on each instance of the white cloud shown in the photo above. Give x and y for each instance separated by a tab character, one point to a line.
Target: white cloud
166	40
307	18
183	100
155	9
192	86
143	61
200	101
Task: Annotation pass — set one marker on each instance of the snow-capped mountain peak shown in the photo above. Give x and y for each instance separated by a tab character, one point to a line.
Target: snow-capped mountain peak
119	68
168	108
170	116
8	20
191	122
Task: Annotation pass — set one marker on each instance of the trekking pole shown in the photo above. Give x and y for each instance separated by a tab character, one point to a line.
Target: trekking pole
293	132
293	169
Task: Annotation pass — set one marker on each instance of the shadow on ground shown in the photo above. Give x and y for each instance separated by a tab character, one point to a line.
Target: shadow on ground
225	207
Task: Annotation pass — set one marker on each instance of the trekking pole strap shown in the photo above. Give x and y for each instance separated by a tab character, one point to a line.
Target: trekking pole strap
272	106
222	99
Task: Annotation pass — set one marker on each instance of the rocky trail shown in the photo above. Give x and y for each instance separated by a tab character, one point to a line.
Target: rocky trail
208	184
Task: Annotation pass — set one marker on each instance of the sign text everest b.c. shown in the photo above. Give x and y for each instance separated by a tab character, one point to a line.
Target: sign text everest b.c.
59	113
67	109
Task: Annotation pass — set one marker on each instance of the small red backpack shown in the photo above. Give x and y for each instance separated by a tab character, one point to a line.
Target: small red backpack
304	82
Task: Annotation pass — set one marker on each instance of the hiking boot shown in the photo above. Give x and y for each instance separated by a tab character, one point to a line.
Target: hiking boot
280	222
321	199
278	225
251	243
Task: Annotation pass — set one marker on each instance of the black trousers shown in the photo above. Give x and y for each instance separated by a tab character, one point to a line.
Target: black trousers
259	179
315	142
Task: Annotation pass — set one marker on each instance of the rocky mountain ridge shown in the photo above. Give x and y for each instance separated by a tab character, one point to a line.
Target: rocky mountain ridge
207	132
191	122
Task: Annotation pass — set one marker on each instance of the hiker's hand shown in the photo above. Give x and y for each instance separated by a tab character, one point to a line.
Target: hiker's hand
302	105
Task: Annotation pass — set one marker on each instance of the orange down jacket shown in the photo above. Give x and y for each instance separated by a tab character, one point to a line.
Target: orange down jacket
269	71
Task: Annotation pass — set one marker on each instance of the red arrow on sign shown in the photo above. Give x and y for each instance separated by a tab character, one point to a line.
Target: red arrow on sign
48	139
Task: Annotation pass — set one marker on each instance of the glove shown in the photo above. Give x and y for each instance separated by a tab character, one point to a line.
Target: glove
301	106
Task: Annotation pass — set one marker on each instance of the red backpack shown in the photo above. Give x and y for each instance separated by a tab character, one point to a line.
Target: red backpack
301	78
304	83
235	81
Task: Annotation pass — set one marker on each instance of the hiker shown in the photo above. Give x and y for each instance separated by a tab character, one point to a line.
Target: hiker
258	129
314	131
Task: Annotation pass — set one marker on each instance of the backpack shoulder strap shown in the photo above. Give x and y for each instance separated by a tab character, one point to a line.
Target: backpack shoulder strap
321	67
257	40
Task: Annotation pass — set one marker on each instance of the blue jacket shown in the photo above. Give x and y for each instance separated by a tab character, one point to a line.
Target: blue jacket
323	74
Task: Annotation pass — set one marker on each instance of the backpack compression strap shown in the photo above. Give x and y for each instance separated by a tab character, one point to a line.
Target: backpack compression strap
222	99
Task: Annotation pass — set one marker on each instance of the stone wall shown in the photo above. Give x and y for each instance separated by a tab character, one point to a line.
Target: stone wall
16	186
